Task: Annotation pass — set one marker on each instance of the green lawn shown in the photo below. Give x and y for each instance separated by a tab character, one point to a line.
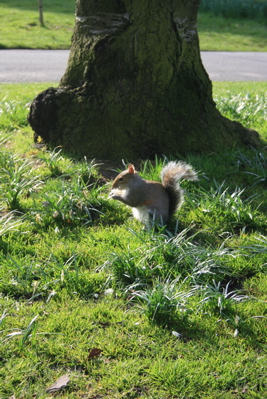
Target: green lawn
20	28
175	313
217	33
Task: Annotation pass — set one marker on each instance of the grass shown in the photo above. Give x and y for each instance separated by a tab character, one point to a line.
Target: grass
244	102
175	313
218	31
20	27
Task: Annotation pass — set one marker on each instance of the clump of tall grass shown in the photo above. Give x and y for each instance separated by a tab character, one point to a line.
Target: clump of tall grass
8	222
169	258
166	302
225	211
54	161
220	299
255	166
236	8
73	198
24	334
69	203
244	108
17	179
171	301
13	115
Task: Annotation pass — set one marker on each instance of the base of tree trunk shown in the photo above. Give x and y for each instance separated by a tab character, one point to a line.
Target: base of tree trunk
77	120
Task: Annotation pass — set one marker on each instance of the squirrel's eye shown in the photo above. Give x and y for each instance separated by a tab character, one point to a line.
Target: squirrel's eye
121	179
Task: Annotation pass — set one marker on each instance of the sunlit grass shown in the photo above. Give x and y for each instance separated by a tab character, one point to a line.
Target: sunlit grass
244	102
176	312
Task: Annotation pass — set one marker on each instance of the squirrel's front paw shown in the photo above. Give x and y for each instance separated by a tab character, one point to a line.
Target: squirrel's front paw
114	195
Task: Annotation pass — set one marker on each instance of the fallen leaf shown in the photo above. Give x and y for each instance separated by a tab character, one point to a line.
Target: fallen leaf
105	324
60	383
94	353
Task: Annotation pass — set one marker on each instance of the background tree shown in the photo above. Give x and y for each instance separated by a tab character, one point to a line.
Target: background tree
41	16
135	85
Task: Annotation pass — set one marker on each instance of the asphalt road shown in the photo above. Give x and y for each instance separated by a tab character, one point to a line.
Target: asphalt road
49	65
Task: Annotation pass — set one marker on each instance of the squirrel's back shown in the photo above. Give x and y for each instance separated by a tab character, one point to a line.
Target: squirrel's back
171	174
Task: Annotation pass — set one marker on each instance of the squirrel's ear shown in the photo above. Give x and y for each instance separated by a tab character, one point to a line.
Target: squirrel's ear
131	169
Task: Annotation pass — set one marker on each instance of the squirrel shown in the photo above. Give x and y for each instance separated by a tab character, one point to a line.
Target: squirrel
151	200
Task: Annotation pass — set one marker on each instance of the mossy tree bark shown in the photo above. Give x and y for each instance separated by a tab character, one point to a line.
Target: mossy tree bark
135	85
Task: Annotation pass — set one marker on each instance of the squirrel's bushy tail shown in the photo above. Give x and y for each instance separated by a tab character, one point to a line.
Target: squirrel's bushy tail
171	174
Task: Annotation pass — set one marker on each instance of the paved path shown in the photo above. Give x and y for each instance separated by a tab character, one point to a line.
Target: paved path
49	65
18	66
235	66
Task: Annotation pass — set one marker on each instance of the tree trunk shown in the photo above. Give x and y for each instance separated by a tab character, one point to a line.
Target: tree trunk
40	7
134	86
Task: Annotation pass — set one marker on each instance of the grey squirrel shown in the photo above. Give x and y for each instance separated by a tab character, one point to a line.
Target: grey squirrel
152	200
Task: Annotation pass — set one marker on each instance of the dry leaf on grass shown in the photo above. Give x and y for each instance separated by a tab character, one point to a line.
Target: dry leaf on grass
94	353
60	383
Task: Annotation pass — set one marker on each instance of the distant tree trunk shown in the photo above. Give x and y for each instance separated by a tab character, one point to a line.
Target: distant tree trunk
41	18
135	85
